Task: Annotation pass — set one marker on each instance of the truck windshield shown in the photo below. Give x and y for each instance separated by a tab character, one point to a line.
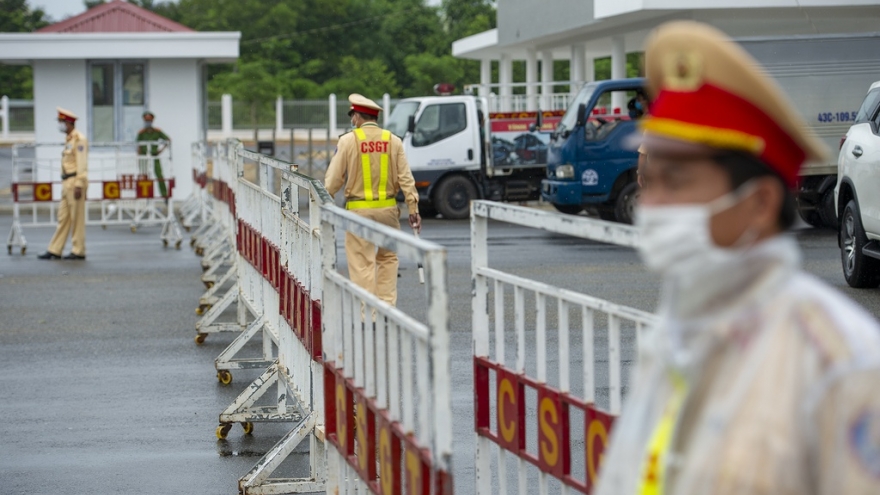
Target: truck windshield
570	118
399	118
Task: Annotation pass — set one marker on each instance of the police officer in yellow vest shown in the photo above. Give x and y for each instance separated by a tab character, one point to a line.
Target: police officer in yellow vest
759	379
75	181
372	166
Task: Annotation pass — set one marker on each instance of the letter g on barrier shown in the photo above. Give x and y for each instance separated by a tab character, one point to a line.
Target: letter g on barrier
595	432
111	190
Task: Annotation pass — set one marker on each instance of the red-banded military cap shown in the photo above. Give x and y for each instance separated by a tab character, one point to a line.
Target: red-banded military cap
361	104
66	115
707	91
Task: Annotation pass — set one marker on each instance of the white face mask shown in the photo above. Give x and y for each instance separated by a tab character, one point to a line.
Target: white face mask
62	127
677	240
353	124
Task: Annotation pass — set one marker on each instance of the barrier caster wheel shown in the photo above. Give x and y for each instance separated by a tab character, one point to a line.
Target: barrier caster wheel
8	249
224	377
202	309
103	227
177	245
23	250
192	242
248	428
200	338
200	251
164	243
208	285
223	431
133	229
187	228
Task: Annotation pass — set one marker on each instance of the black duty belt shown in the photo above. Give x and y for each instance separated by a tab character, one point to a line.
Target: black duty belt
67	176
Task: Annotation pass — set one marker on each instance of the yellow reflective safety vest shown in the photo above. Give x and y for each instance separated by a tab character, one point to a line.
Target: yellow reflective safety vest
380	200
654	467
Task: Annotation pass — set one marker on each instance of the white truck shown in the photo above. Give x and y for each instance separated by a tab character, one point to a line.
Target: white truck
459	152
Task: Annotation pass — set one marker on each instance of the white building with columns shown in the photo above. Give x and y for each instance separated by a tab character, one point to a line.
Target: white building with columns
580	31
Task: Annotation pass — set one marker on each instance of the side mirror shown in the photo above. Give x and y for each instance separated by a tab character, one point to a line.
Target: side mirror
411	124
582	115
532	127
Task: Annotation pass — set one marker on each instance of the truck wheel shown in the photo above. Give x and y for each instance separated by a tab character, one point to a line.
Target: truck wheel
860	271
811	217
827	214
626	203
568	209
453	197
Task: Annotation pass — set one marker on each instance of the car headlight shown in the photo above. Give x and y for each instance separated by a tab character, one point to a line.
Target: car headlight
565	172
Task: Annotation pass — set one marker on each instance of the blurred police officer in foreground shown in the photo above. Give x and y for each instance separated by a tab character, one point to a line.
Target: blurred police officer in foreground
371	164
75	181
759	379
152	134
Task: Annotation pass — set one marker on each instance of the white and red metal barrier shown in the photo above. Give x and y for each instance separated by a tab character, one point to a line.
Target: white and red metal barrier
397	372
386	373
193	210
543	415
124	191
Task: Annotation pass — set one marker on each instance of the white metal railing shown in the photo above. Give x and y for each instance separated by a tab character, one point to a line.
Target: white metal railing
566	367
389	415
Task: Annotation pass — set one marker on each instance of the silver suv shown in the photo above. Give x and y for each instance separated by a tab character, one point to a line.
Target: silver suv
857	195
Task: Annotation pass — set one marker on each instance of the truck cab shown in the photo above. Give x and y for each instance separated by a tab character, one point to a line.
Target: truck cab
592	160
456	156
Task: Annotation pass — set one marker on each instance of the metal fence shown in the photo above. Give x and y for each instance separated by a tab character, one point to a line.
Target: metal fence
551	379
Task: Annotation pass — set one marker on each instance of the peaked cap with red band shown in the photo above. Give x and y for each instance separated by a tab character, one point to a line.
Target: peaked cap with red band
66	115
708	91
362	104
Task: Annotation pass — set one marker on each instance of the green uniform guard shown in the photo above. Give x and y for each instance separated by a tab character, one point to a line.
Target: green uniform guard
150	133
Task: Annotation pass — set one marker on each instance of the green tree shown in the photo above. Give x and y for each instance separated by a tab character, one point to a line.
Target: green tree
17	81
250	83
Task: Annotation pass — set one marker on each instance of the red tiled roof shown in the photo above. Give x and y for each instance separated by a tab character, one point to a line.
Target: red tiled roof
117	16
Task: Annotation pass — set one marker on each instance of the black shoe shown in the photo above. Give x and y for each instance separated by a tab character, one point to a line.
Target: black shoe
48	256
72	256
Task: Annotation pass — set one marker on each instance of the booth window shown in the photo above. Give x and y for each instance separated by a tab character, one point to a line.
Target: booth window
118	100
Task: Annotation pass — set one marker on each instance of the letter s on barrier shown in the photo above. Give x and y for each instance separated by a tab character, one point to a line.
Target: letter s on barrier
550	443
508	428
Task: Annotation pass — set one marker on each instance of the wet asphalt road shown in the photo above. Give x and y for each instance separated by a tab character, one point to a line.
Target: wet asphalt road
104	391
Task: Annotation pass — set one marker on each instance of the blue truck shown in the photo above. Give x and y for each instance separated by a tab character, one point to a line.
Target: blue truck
591	160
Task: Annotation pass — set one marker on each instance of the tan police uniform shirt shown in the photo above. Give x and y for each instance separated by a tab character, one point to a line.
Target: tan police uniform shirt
75	157
782	379
346	167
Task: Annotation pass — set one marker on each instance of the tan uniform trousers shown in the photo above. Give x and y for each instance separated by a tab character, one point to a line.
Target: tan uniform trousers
71	217
374	270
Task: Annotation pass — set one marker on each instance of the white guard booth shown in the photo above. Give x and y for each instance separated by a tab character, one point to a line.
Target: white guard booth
110	64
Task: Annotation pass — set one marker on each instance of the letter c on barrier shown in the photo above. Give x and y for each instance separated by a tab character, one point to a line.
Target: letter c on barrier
596	431
43	192
341	417
550	444
386	470
508	428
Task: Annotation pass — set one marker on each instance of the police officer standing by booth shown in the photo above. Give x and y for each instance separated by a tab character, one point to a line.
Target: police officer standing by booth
371	164
151	135
75	182
759	379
